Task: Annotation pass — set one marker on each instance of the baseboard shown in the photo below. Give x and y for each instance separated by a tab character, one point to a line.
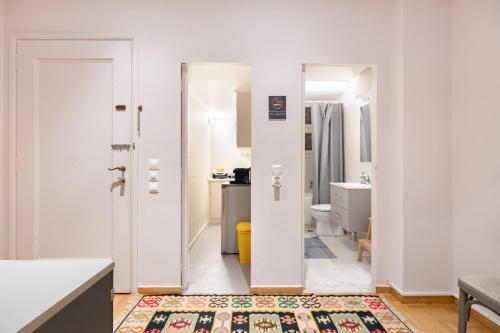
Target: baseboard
277	290
198	234
383	289
159	290
415	297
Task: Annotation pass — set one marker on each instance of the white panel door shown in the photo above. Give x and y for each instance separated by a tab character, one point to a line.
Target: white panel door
68	205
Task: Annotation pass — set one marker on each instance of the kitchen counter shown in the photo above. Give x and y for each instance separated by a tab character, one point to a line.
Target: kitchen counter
219	180
34	293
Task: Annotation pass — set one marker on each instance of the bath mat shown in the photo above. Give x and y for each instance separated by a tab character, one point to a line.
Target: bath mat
261	314
315	249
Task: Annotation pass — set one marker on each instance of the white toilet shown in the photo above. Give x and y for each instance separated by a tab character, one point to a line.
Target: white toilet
324	224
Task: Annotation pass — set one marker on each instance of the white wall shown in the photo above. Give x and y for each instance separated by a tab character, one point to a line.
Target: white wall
427	146
387	159
352	144
194	37
199	169
3	141
476	118
297	32
352	127
225	153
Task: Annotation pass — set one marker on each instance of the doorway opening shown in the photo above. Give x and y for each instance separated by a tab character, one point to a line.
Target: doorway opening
216	111
339	124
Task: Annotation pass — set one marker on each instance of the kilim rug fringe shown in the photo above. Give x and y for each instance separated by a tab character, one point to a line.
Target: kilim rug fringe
398	314
135	299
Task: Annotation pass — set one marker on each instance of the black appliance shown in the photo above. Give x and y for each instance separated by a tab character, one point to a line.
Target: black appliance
241	176
220	175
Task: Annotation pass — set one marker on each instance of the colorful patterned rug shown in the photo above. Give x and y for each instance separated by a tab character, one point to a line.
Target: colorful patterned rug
261	314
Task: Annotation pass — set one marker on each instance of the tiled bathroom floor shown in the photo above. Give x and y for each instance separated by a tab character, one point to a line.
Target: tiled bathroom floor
212	272
342	274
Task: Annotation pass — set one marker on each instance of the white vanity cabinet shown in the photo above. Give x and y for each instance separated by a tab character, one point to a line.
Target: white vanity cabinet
351	206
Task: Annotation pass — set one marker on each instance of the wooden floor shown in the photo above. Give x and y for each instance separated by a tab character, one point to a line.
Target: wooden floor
426	318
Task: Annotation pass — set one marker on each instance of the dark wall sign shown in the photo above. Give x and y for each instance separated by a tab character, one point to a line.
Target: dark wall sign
277	107
308	141
308	115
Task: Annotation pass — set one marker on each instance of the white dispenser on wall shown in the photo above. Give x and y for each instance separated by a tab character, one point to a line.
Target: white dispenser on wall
276	179
277	175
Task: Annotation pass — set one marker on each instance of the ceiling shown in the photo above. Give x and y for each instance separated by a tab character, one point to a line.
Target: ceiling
328	83
214	84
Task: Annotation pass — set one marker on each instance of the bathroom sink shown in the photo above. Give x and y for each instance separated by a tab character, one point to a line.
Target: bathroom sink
353	186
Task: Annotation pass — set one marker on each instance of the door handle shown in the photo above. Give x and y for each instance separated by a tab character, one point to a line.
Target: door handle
121	168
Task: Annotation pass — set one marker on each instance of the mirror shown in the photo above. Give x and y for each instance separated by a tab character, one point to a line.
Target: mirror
365	133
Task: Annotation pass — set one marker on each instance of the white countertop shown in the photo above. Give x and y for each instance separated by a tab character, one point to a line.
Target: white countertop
219	180
32	291
353	186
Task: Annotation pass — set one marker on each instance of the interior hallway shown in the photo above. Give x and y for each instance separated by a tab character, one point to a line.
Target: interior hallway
212	272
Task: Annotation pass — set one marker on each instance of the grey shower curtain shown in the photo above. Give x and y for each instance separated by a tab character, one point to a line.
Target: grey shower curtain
366	135
327	149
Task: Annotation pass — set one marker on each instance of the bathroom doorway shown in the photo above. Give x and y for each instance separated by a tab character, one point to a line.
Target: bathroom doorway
216	185
339	114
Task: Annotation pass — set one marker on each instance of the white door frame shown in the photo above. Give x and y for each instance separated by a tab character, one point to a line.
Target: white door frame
374	167
184	178
12	86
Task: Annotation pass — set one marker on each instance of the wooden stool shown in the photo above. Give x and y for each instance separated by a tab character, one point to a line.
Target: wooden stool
365	244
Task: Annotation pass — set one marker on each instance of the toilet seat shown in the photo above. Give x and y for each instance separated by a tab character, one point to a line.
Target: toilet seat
322	207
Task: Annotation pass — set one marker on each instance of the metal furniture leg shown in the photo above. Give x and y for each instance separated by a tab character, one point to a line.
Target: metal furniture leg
462	312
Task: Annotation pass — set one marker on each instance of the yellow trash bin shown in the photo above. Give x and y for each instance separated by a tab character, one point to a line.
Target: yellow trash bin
244	230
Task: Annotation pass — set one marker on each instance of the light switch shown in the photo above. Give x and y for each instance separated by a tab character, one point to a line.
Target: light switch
153	187
154	164
154	175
